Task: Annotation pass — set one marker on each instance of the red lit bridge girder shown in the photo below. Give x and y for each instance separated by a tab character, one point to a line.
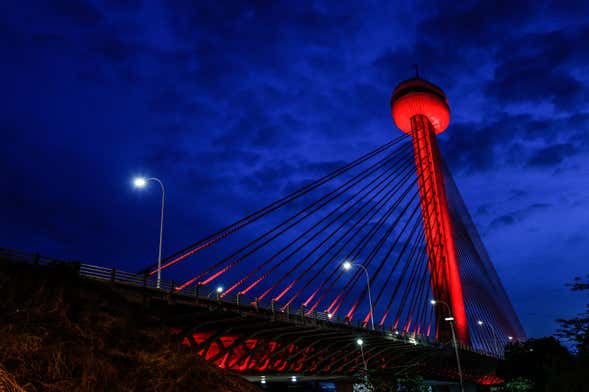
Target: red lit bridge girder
255	341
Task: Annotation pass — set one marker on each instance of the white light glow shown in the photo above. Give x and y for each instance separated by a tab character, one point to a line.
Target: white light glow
347	265
359	342
220	289
449	319
433	302
139	182
480	322
293	379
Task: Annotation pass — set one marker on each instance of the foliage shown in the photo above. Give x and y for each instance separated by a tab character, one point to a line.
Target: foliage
546	362
518	384
412	384
576	330
386	383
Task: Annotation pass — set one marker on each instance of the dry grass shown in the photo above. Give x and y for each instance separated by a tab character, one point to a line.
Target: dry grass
67	337
8	383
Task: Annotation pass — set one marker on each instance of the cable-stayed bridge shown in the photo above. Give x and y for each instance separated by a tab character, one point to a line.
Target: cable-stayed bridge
383	245
376	268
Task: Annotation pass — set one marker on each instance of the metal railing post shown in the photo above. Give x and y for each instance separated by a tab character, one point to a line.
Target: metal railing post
303	313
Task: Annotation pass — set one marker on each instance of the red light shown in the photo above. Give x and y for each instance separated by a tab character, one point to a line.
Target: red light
421	103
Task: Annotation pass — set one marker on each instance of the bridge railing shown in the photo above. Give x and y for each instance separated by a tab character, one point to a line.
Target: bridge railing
207	293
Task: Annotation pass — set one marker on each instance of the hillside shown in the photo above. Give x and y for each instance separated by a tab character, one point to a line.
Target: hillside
59	332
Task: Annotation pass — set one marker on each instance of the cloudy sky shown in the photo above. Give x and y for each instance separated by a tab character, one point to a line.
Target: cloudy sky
231	103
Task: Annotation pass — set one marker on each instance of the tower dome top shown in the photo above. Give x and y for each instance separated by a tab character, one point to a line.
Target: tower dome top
417	96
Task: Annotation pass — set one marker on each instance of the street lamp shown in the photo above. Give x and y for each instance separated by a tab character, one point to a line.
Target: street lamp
497	344
141	182
450	319
360	343
348	266
218	290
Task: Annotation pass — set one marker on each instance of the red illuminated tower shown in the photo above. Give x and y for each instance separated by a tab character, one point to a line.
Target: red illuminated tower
421	110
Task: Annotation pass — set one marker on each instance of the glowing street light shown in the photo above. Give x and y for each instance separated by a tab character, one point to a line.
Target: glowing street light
497	344
450	319
141	182
359	342
218	290
348	266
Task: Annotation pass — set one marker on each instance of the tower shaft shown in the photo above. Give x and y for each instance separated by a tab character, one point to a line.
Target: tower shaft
441	250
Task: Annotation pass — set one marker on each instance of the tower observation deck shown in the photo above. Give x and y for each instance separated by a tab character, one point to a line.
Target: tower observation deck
420	109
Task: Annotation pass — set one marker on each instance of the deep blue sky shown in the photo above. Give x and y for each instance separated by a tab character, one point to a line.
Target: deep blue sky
232	104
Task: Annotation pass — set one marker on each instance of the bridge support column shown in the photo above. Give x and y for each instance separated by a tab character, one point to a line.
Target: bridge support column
442	261
421	110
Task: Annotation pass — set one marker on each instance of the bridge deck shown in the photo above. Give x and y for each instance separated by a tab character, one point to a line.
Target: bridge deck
256	340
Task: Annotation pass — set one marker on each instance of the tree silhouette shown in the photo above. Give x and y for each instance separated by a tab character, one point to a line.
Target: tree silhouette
576	330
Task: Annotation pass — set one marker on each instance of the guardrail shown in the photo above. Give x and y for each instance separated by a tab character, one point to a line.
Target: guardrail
203	292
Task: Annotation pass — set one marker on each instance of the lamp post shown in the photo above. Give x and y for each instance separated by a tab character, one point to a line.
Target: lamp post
360	343
141	182
450	319
347	266
497	344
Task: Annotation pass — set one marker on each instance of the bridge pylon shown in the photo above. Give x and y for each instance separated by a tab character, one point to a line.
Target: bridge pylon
420	109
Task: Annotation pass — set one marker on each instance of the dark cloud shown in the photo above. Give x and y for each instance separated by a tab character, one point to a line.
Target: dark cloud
236	104
551	156
516	217
125	5
82	13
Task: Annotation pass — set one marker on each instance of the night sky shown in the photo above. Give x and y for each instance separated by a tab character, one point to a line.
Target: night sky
235	104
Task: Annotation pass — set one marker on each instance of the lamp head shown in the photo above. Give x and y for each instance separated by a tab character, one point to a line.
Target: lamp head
480	322
347	265
139	182
359	342
433	302
219	289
